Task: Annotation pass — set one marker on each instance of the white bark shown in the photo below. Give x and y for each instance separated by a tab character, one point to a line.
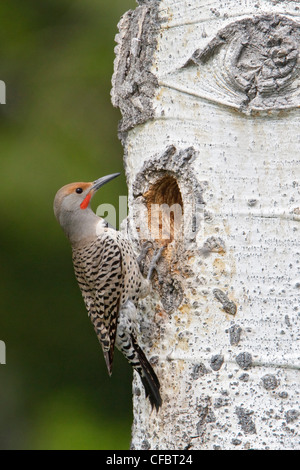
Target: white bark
209	93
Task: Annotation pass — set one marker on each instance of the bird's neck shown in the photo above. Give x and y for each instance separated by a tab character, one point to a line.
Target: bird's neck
82	227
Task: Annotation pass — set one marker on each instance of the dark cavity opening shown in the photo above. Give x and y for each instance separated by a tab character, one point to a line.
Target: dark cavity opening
165	210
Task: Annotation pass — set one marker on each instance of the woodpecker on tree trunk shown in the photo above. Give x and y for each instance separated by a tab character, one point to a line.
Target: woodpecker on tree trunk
109	277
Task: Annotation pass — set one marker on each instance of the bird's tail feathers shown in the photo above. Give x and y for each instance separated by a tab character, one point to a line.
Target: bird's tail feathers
108	356
148	377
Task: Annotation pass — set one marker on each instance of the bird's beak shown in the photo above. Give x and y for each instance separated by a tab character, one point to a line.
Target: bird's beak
95	186
101	181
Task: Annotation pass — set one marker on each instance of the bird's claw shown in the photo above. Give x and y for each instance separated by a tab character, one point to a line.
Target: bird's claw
154	261
144	251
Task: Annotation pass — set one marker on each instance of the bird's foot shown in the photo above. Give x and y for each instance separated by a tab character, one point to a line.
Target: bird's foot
144	251
154	261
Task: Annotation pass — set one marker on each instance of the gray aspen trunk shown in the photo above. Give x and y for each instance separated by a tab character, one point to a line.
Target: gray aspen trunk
209	95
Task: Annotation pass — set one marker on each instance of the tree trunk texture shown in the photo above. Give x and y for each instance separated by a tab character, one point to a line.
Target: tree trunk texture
209	95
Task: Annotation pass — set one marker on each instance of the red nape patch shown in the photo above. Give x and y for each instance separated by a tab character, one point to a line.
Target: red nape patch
86	201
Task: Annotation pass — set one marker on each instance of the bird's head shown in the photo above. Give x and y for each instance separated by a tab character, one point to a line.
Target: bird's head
72	204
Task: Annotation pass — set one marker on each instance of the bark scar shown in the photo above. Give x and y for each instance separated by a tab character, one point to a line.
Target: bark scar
228	305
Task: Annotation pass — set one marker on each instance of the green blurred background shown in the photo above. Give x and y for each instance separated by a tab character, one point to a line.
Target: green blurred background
58	126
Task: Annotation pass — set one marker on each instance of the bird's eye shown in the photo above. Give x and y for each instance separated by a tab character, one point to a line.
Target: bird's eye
79	190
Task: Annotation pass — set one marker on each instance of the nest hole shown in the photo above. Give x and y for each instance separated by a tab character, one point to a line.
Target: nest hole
165	210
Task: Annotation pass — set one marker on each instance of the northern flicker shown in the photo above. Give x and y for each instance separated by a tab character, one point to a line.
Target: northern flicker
109	277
